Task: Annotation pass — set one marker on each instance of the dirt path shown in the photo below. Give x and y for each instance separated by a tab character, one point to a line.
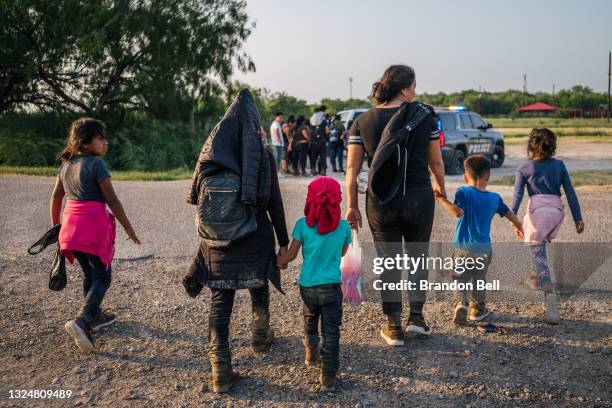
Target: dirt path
155	355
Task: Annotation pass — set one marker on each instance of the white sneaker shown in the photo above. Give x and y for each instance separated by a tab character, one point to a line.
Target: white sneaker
281	175
551	308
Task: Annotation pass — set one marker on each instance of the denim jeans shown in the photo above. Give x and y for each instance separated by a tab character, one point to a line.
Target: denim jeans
221	304
279	155
323	302
336	153
408	218
96	281
475	296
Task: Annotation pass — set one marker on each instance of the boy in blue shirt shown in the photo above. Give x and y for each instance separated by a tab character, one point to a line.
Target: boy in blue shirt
324	238
475	208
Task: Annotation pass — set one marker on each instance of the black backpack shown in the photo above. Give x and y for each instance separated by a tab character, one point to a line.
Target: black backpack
221	217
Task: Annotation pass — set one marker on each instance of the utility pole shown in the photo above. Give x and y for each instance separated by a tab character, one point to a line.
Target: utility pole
480	99
553	95
524	88
609	76
350	87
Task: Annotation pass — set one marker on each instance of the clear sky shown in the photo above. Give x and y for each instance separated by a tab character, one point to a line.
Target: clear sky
310	48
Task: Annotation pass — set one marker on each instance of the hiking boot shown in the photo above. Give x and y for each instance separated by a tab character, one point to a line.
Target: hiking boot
261	343
417	325
262	335
478	312
101	320
392	332
551	308
223	377
460	313
328	382
81	335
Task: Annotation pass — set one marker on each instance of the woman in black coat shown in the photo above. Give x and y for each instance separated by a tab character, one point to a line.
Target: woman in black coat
248	262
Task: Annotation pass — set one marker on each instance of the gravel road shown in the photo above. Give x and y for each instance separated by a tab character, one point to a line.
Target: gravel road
155	355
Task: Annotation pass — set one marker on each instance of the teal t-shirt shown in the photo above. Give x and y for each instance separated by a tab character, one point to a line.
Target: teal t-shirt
322	253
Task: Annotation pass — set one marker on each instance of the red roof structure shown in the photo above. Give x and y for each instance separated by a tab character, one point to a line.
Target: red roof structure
537	107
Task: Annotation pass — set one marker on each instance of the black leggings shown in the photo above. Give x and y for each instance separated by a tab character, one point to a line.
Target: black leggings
300	153
409	217
318	157
96	281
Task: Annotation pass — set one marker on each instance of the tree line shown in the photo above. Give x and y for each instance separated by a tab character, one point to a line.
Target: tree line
159	73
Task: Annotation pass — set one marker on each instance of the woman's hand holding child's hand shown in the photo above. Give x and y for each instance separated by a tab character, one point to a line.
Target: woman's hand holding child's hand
281	262
579	226
439	191
281	258
438	196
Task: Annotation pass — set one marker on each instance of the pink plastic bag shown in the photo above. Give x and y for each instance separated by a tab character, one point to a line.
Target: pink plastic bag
352	279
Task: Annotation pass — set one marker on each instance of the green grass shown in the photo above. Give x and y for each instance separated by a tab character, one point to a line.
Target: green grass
548	122
579	179
176	174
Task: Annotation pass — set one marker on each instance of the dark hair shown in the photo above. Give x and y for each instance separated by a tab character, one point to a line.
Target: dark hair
349	124
394	80
81	132
477	166
321	108
542	144
291	119
300	121
279	113
336	117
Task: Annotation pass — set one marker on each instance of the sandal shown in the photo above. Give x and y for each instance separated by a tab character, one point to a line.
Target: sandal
490	328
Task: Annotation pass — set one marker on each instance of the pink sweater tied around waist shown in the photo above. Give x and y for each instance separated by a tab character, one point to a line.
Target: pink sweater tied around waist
544	218
87	226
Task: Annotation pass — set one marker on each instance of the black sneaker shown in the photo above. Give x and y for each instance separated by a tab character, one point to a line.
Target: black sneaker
102	319
417	325
81	335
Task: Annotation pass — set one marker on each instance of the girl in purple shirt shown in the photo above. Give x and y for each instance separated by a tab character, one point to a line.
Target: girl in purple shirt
543	175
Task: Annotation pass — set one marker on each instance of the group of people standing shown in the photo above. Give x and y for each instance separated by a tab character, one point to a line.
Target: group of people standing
315	139
399	137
